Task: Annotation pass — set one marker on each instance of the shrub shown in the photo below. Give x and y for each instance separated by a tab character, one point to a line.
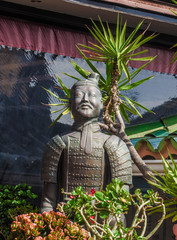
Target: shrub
48	226
102	211
14	200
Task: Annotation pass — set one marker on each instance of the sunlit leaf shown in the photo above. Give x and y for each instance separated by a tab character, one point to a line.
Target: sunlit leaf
133	106
133	85
63	100
140	105
124	113
125	68
131	36
65	89
94	69
129	109
71	76
61	114
80	70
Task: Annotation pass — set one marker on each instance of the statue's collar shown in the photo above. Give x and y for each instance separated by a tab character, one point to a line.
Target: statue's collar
86	129
93	124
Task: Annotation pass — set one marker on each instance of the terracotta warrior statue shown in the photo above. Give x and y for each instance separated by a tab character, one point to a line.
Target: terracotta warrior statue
85	156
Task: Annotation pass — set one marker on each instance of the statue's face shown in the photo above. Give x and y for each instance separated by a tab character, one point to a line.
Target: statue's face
86	102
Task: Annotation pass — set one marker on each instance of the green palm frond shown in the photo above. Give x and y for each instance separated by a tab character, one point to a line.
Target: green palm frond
168	184
117	49
111	50
64	102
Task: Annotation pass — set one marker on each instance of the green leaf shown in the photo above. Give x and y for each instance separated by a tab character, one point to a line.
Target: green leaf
173	11
80	70
108	36
137	45
174	1
104	214
131	47
67	110
94	69
171	214
99	196
129	39
94	51
133	85
117	34
98	31
125	68
128	108
55	104
58	110
65	89
133	106
138	53
122	34
136	72
124	113
71	76
140	59
174	218
136	103
102	39
51	93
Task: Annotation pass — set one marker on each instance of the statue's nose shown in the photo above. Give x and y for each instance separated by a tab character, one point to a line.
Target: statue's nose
86	97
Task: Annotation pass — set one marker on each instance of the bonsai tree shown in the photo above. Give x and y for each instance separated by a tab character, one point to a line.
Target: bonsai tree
116	52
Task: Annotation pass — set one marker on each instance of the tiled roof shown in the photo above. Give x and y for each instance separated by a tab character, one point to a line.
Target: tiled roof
155	136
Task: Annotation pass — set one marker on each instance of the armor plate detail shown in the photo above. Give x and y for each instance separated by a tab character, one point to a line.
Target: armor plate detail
120	159
85	170
51	159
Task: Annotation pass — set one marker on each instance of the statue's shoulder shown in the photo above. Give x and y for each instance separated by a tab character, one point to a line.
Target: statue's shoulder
56	142
50	159
71	134
115	143
119	159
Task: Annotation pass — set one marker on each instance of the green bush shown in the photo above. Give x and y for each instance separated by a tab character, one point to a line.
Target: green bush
14	200
102	211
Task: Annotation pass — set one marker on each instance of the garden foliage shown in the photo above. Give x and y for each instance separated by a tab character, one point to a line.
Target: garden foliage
167	183
14	200
102	212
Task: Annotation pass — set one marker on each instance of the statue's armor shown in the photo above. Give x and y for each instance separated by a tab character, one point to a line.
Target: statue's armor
119	159
83	169
50	160
84	157
109	159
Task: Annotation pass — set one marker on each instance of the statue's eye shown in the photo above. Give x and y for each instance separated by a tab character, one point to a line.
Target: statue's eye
78	94
92	94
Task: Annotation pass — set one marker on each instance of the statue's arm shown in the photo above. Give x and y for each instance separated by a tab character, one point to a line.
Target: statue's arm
49	169
49	198
119	159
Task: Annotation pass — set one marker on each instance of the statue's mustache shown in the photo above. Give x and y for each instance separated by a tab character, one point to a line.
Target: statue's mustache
85	105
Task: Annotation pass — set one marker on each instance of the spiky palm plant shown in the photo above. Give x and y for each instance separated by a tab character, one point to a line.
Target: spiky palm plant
115	51
167	183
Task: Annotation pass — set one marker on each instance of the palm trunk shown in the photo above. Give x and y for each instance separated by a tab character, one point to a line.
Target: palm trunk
144	169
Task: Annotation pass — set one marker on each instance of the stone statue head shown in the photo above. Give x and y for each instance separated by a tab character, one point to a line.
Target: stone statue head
86	99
